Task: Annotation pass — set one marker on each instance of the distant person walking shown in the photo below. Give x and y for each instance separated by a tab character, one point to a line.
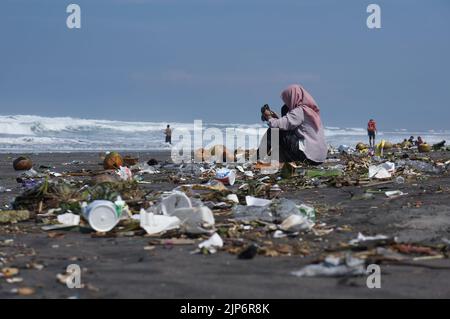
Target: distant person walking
371	131
168	132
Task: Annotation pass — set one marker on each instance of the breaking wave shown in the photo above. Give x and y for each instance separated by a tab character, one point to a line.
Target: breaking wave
19	133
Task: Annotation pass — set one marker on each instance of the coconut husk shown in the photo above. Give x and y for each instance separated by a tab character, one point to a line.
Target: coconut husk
201	155
361	146
424	148
388	145
22	164
113	161
218	149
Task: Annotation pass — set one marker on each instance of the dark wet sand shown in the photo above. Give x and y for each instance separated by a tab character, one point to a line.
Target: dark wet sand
121	268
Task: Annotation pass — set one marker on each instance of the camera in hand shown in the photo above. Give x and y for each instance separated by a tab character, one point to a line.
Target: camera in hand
267	108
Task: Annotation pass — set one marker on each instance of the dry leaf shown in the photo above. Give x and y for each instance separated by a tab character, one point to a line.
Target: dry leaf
10	272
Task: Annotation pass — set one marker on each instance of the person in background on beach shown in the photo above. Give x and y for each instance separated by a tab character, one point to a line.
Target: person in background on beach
168	132
371	131
419	141
411	140
301	134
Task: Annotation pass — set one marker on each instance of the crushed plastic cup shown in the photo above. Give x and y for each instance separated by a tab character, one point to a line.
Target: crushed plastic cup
154	224
279	234
145	168
174	201
195	220
253	201
211	244
394	194
270	211
361	238
295	223
226	176
381	171
102	215
249	174
233	198
69	219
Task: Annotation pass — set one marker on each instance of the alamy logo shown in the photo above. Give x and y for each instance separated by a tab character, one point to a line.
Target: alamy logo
73	279
374	279
374	19
74	19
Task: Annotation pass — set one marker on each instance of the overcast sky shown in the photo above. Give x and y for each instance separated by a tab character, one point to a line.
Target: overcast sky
221	60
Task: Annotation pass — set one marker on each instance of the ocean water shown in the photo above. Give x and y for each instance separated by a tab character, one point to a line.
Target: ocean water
30	133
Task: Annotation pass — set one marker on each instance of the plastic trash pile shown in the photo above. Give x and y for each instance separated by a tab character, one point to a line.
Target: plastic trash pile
238	207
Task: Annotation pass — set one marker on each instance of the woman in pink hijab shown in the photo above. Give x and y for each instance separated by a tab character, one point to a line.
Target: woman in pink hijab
300	127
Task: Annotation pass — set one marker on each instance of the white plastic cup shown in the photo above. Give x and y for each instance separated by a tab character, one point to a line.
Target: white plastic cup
102	215
233	198
226	176
175	201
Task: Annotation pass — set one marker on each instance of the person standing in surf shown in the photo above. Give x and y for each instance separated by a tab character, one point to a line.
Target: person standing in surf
168	133
371	131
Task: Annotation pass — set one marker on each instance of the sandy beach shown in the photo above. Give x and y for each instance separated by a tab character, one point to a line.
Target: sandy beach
118	266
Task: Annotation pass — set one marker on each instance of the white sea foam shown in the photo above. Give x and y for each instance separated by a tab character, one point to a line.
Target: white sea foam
39	134
32	125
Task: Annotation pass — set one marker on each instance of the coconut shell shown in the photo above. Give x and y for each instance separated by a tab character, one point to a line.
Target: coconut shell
199	155
424	148
220	149
22	164
361	146
406	144
388	145
113	161
217	149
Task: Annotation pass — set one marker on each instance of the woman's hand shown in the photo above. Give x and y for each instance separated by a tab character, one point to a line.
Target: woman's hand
267	114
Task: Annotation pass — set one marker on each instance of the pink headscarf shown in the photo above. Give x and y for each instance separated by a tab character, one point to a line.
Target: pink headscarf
296	96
